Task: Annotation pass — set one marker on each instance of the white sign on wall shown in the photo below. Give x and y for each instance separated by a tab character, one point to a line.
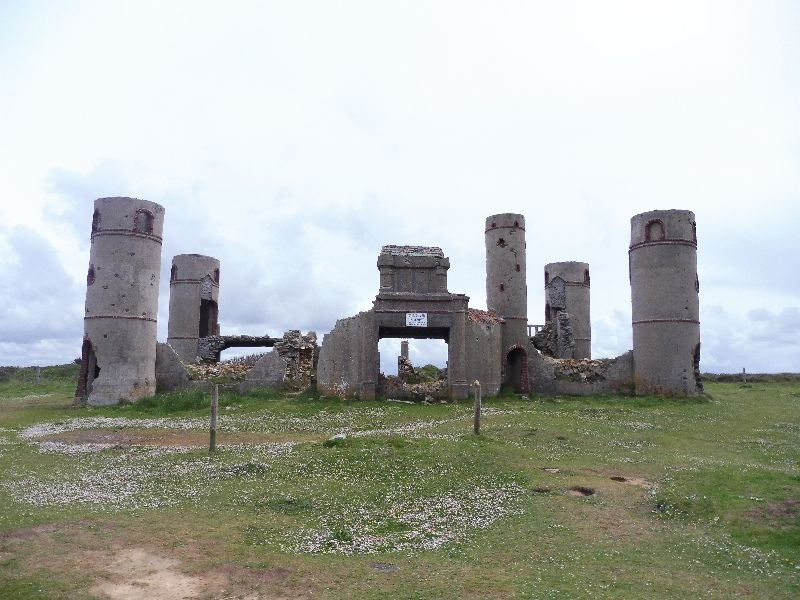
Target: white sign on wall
416	319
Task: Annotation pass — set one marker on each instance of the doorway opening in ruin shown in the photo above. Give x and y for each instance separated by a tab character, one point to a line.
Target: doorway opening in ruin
516	371
421	352
208	318
414	378
89	370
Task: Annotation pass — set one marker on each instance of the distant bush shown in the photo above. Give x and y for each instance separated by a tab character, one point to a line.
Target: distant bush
7	373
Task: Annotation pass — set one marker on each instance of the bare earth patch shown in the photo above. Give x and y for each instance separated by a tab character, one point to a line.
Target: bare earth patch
140	575
160	437
637	481
777	515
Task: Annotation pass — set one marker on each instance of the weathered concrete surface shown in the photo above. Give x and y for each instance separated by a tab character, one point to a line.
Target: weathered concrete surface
665	303
506	276
301	353
171	374
339	366
209	348
412	270
412	302
193	303
119	353
484	350
567	290
580	377
269	372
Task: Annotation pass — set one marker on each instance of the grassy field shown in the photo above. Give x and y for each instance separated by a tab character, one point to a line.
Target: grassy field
603	497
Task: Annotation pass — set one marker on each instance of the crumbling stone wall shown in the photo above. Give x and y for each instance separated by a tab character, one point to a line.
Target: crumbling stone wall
301	354
290	366
556	338
555	376
484	349
338	368
209	348
171	373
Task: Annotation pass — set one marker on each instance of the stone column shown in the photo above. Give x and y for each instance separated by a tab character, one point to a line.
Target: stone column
119	349
665	303
193	303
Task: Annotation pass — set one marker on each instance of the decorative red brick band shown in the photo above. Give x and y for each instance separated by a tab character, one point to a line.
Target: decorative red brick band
131	318
403	311
692	321
194	281
672	242
505	227
126	232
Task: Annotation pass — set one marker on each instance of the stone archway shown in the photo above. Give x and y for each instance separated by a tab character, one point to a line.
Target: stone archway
516	370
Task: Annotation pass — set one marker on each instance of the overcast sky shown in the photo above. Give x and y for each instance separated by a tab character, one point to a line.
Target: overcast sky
292	140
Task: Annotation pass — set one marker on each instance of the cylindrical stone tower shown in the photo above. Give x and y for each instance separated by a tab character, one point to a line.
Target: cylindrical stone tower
118	359
567	289
665	303
193	303
507	292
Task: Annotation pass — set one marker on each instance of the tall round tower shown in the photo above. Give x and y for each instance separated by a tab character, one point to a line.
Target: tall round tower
665	303
193	303
567	289
507	292
118	358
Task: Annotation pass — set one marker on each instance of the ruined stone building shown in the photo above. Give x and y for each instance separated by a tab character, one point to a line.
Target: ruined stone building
495	347
121	359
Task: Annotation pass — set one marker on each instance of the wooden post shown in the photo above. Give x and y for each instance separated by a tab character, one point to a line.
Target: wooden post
214	405
477	391
744	376
37	373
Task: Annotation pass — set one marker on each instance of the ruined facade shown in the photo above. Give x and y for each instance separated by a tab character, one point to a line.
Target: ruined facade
121	360
496	347
412	302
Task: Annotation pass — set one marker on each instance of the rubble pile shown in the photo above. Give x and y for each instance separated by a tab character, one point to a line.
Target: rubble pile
421	384
393	387
583	370
300	353
556	338
226	372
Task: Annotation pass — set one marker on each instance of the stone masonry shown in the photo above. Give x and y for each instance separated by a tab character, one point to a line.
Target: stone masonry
121	360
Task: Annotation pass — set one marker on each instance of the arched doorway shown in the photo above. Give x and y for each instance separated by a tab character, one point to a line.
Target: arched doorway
516	371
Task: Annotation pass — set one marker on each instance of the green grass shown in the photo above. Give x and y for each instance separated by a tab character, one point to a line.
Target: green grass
689	498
